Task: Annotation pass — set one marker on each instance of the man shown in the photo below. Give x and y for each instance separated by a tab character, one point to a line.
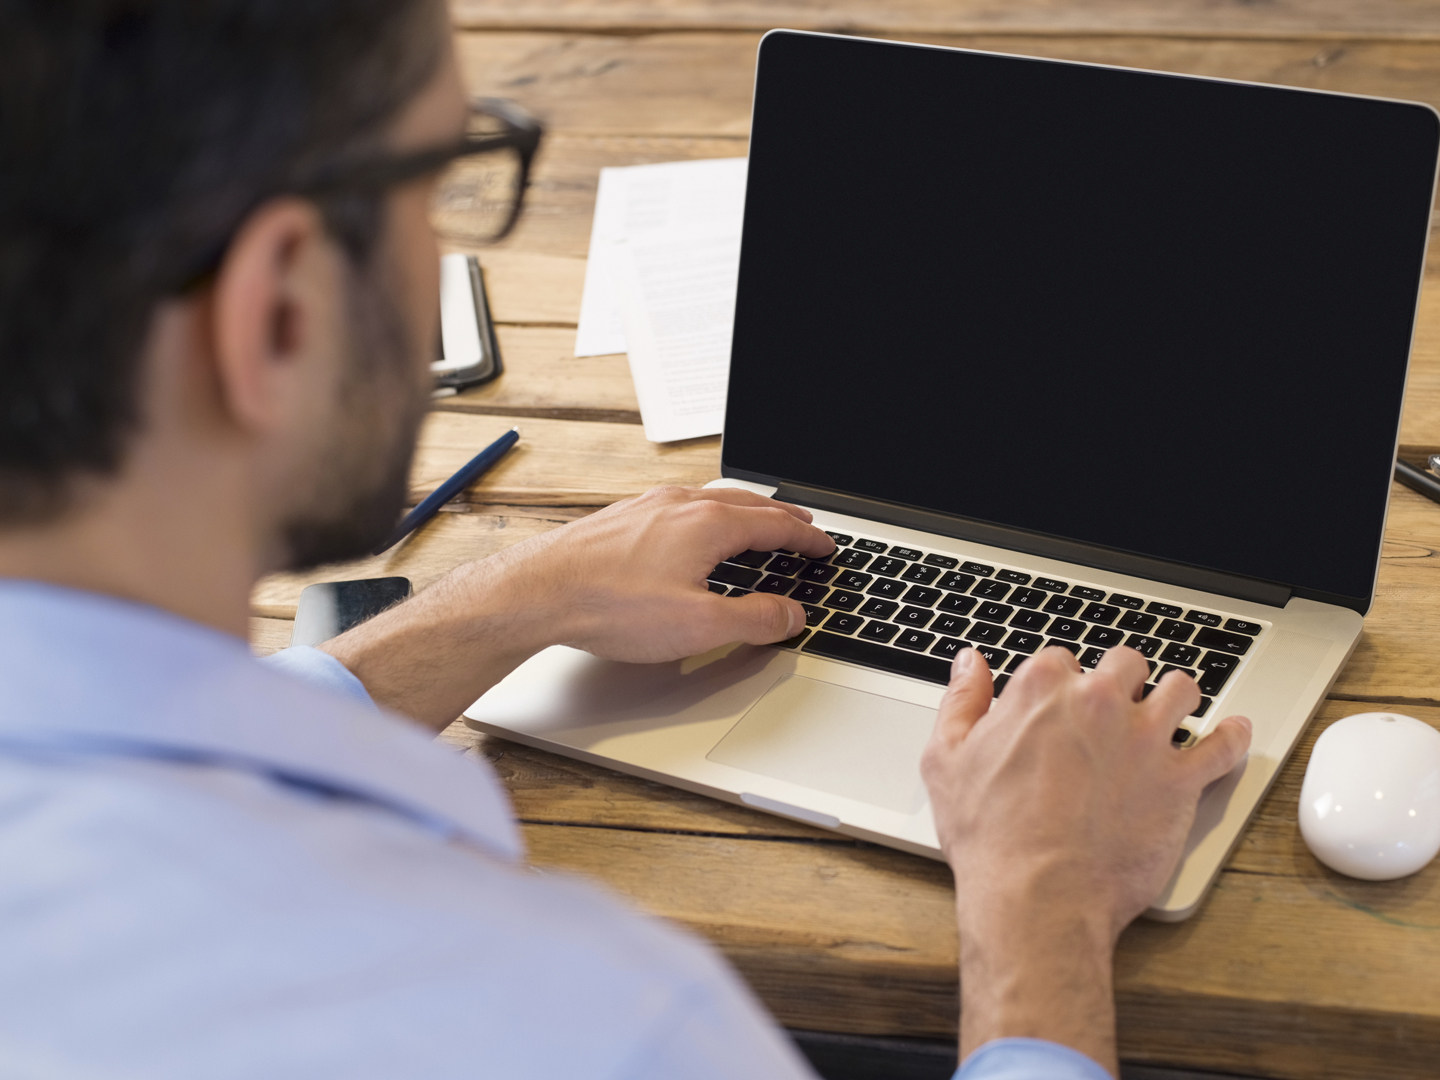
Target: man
212	366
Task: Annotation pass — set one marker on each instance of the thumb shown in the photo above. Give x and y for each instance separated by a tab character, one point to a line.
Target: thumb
966	699
761	618
1220	751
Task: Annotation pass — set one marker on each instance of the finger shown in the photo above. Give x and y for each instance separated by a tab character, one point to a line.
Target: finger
757	619
1127	667
741	497
1220	751
1173	699
967	698
765	528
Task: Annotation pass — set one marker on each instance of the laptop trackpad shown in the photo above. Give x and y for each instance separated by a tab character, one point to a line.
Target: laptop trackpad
834	739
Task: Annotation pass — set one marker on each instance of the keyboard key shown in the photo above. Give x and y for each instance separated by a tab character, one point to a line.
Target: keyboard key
1145	691
914	616
878	631
1152	666
1184	655
1121	600
954	582
853	579
945	562
1213	681
1090	657
729	574
755	559
1103	614
844	601
1145	646
888	567
1030	620
1210	638
1087	593
871	545
878	609
1023	641
914	639
990	590
889	588
906	553
1106	637
953	625
1204	618
1165	611
716	587
819	571
814	615
992	612
841	540
949	647
930	668
738	591
922	595
1203	707
1014	577
1171	630
1015	662
1171	667
994	657
1240	626
1136	621
957	604
794	642
808	592
1001	681
979	569
986	633
1028	597
843	623
1069	629
1064	605
851	559
786	565
1049	584
922	575
774	583
1073	646
1180	736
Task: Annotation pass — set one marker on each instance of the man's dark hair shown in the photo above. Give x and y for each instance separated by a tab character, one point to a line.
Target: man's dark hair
135	136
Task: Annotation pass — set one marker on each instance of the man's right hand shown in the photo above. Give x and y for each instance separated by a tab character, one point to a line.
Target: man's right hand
1062	807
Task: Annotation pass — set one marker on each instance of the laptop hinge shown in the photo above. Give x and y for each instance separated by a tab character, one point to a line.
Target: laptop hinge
1050	547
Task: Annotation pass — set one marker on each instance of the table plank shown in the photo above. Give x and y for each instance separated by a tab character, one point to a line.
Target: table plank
1311	18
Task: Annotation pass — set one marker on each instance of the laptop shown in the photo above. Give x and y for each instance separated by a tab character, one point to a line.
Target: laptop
1059	354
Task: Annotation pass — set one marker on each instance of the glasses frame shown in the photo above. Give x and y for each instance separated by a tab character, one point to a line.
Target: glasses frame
522	133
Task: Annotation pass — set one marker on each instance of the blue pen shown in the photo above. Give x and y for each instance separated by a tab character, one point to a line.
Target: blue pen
475	468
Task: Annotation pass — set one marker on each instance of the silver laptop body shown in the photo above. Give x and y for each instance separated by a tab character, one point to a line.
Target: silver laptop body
1094	407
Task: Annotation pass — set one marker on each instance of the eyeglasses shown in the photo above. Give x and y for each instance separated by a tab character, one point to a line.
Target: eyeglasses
479	197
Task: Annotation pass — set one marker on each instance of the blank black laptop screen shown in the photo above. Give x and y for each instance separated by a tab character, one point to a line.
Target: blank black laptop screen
1163	315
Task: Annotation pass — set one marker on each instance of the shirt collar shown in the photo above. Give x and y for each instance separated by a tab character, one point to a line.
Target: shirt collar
100	674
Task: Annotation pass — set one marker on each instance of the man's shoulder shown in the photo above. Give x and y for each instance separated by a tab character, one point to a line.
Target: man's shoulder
163	901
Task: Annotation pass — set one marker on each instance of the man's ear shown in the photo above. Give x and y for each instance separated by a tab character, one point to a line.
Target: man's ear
273	312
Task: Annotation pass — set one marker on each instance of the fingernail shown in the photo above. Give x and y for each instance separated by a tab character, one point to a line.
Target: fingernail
963	659
793	628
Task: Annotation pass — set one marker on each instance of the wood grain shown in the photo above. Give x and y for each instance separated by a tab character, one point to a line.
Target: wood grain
1290	18
268	635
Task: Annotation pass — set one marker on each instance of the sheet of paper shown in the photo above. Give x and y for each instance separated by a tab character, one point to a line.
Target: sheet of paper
677	303
643	203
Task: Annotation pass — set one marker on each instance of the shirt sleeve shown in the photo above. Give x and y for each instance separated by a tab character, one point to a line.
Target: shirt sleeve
319	669
1029	1059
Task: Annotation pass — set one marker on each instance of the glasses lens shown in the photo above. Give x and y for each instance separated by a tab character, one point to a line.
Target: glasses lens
477	195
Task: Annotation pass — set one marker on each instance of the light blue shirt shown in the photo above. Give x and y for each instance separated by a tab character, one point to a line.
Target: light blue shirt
216	867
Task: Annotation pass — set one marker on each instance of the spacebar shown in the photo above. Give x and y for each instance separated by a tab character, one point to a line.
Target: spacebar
878	656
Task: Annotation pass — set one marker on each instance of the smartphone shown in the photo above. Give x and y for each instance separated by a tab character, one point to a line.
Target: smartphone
330	608
469	354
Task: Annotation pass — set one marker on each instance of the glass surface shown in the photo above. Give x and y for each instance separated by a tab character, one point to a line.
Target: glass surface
1163	315
477	195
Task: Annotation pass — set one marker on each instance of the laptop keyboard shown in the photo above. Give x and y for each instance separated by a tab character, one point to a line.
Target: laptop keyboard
908	611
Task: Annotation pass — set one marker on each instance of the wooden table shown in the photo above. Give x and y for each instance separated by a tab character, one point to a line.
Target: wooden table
1288	970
